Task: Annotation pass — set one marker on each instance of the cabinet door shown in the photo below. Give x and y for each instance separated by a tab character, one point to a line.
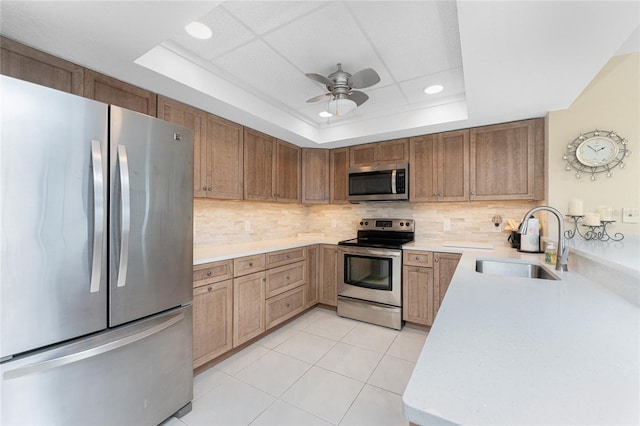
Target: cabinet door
453	166
288	172
194	119
212	321
417	295
444	265
223	171
111	91
258	166
362	155
423	171
339	168
503	161
395	151
315	176
24	63
311	286
248	307
328	275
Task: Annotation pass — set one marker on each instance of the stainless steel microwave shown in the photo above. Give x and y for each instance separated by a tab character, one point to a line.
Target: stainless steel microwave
384	182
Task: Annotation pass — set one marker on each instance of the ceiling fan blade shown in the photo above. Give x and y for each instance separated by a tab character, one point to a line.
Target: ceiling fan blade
319	98
320	79
364	78
358	97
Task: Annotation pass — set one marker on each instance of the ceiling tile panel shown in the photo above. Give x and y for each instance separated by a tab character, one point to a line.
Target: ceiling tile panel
228	34
262	70
414	38
263	16
316	42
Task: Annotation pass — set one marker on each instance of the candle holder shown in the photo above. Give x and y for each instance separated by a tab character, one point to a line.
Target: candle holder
594	232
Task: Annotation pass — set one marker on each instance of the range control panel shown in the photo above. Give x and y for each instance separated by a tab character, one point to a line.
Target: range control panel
386	225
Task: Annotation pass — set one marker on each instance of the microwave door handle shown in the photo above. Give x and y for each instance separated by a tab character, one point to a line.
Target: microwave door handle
394	189
125	205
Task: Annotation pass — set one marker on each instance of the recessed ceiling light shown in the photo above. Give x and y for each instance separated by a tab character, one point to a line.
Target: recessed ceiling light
432	90
198	30
325	114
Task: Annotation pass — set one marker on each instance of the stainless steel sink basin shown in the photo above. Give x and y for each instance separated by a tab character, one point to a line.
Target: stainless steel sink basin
513	269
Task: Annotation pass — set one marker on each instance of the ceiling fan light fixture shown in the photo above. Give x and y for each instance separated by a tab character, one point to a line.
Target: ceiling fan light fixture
432	90
198	30
340	106
325	114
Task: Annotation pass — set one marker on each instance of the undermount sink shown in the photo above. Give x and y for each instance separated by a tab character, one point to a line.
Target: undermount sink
513	269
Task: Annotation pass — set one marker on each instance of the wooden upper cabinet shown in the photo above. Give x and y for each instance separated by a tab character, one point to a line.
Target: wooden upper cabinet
395	151
507	161
338	172
315	176
223	149
258	166
288	167
24	63
439	167
194	119
111	91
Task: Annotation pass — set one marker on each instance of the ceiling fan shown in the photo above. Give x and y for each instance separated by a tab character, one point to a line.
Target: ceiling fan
340	84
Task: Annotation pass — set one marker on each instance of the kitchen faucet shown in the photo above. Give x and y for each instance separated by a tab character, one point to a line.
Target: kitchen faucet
563	250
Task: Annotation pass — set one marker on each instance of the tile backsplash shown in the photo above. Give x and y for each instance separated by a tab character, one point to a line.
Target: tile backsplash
223	222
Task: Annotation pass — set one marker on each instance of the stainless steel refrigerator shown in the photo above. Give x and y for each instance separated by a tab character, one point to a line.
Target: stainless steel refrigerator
96	238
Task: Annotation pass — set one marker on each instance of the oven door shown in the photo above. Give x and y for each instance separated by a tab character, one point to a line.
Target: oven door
371	274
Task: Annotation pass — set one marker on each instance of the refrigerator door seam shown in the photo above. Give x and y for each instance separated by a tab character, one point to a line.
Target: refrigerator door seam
89	353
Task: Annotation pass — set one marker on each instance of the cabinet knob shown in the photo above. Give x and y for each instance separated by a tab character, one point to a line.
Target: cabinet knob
209	273
209	189
436	260
439	195
473	193
288	256
417	257
209	288
204	188
287	278
287	305
250	264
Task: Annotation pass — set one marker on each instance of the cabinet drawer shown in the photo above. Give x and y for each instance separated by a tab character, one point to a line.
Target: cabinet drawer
284	306
284	257
418	258
210	273
285	278
248	265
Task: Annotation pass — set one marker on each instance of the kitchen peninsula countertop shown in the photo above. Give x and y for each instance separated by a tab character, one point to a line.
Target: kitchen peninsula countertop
506	350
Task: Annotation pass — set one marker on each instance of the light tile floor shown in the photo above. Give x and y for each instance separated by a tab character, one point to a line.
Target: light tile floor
319	369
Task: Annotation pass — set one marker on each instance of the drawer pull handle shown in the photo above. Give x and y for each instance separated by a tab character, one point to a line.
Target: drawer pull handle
209	273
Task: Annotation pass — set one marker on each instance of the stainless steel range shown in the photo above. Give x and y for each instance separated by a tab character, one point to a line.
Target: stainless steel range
370	271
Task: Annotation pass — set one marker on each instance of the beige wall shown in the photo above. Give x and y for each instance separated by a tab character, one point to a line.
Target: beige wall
223	222
610	102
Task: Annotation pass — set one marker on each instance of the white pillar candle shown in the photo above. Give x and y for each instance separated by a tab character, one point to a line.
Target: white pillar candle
605	212
575	207
591	219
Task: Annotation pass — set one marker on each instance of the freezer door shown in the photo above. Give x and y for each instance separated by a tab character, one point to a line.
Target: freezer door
53	159
137	374
151	226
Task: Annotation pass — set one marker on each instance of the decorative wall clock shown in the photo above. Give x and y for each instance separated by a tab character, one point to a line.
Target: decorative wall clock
598	151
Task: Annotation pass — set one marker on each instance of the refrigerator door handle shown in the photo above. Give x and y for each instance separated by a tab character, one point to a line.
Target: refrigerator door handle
39	367
125	205
98	215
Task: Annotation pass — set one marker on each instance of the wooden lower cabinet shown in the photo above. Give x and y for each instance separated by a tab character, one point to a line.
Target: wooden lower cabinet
285	278
248	307
328	282
212	321
425	280
311	286
417	296
284	306
444	266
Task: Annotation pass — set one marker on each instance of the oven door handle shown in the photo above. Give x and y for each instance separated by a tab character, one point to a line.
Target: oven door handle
383	253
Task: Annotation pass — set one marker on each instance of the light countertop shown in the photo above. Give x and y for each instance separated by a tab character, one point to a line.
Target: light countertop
507	350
